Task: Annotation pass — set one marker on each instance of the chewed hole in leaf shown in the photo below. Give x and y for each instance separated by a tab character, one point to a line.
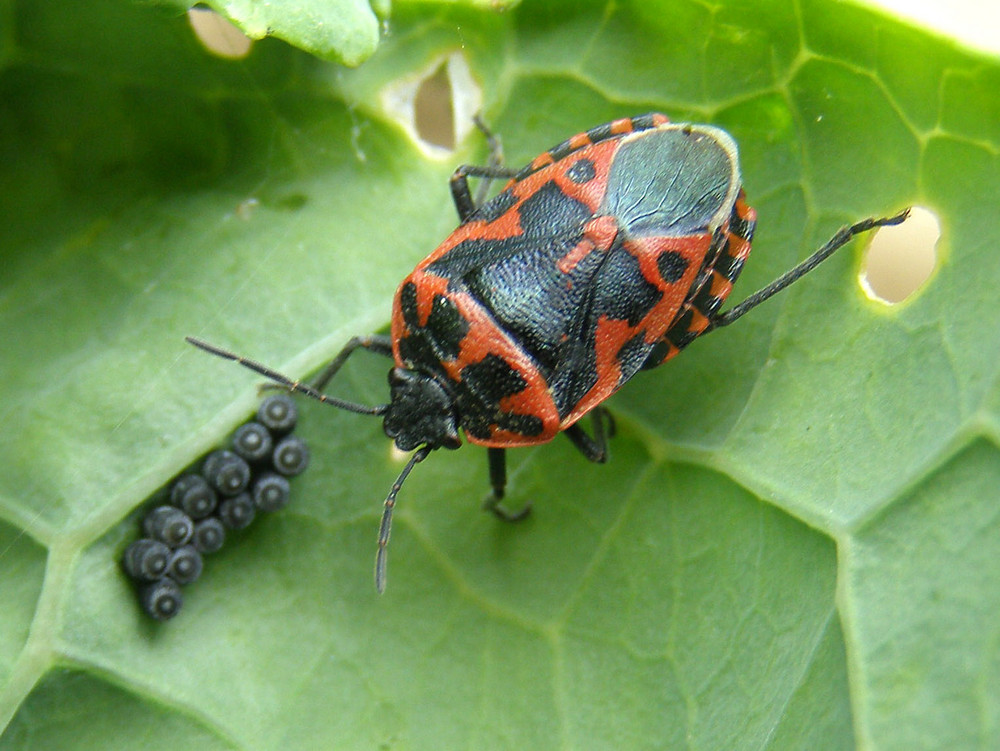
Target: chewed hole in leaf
433	117
901	259
218	35
436	106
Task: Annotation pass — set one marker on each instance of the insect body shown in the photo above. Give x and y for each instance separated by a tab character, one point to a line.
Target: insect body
606	255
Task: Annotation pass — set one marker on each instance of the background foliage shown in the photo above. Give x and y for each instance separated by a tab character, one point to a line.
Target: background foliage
794	545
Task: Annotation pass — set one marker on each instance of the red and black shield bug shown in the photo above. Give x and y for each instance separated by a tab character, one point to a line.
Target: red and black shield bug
607	255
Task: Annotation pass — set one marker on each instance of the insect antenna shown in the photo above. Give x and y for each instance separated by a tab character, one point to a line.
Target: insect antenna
385	527
293	385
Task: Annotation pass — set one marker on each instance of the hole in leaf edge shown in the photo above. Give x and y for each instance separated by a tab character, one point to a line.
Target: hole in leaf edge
899	260
435	106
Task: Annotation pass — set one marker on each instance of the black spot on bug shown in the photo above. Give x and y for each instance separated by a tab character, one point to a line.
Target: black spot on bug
741	227
526	425
416	351
491	379
408	304
478	397
446	328
549	218
470	255
679	334
582	171
631	356
517	280
621	291
600	133
564	149
533	301
672	266
727	264
426	347
644	122
577	371
705	302
656	355
549	212
480	424
495	208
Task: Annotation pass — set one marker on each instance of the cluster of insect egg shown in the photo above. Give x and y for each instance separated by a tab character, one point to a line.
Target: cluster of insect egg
231	488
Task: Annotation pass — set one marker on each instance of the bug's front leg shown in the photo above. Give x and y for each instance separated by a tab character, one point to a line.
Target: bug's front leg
498	481
377	343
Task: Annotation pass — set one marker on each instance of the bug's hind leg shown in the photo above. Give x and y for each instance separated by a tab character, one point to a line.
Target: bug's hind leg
594	448
498	481
835	243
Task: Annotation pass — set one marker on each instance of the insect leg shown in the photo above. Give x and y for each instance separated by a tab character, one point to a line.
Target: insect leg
839	240
594	448
498	480
460	193
289	383
464	202
380	345
495	160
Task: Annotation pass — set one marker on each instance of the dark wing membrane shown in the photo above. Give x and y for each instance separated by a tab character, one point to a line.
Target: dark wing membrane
671	182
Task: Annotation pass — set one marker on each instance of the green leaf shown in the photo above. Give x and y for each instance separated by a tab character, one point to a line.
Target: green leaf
346	31
793	545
